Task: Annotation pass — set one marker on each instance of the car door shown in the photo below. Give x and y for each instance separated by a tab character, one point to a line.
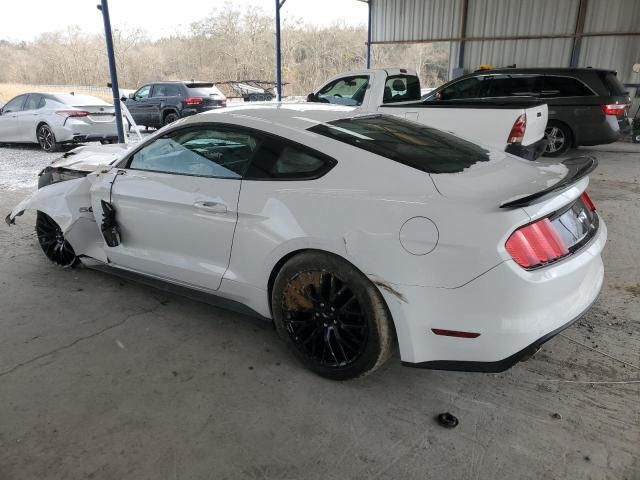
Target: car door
138	106
29	117
156	102
9	126
176	204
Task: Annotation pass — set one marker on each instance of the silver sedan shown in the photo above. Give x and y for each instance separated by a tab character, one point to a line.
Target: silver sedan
53	119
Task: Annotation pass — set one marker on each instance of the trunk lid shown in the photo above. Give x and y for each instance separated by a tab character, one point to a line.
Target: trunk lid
509	182
98	113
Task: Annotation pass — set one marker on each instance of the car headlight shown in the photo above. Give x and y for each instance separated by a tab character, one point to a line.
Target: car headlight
51	175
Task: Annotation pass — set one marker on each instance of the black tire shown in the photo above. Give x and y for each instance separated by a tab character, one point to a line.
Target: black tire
47	139
170	118
53	243
559	139
331	316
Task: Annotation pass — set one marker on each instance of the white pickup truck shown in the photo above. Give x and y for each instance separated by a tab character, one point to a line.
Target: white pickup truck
516	126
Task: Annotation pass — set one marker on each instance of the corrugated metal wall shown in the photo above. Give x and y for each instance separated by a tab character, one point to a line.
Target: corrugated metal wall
419	20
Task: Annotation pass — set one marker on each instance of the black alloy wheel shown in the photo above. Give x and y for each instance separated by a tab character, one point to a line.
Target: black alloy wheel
54	245
46	138
331	316
324	319
170	118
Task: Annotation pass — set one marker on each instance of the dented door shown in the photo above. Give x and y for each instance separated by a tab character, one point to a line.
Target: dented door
175	227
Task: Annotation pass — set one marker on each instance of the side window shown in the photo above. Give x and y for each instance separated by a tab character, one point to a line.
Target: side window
564	87
172	91
514	86
142	93
159	91
401	88
33	102
467	88
200	152
14	105
346	91
278	160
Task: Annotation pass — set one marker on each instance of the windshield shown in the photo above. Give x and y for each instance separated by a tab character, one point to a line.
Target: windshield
409	143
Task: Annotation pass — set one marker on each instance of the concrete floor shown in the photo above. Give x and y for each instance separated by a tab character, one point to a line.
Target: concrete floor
105	379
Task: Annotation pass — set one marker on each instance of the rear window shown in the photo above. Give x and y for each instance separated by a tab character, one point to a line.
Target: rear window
401	88
409	143
78	100
202	89
612	84
555	86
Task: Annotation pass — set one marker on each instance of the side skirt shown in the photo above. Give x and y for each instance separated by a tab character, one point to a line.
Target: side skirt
198	295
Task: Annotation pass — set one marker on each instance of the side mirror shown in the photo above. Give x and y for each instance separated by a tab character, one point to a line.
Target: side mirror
123	98
312	97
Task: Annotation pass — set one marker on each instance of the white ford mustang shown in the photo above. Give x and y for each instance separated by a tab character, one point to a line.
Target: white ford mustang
351	232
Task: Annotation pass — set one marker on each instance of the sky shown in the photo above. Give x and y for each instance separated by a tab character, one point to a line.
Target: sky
157	17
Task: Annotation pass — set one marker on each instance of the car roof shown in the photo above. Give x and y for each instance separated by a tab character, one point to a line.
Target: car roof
299	115
542	70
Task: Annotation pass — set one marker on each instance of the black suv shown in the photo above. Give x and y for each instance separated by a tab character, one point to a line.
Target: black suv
161	103
587	106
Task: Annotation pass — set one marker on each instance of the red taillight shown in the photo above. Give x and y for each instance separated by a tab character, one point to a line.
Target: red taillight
614	109
72	113
193	100
536	244
588	202
517	131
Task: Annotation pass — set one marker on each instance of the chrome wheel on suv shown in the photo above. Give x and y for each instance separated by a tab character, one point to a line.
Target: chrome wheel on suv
558	139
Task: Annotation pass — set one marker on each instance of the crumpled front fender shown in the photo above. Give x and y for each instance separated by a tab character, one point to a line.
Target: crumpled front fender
61	201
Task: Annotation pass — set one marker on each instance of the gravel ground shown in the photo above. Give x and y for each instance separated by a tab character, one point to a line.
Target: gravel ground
20	164
102	378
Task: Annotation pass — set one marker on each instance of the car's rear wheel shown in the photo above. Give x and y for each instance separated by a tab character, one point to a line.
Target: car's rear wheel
47	139
54	245
559	139
331	316
170	118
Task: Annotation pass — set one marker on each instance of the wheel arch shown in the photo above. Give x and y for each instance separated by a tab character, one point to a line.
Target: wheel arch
288	256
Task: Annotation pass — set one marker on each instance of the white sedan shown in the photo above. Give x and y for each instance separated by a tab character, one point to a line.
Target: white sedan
353	233
54	119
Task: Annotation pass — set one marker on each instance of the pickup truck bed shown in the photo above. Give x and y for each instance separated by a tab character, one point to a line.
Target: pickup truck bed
513	125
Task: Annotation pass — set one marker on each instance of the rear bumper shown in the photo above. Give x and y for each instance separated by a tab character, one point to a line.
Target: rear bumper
83	132
513	311
529	152
498	365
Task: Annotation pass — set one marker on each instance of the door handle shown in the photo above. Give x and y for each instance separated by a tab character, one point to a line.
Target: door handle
214	207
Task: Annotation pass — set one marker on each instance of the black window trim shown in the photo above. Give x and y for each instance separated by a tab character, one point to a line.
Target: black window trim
329	162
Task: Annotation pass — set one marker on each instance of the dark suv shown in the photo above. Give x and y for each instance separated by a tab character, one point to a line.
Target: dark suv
587	106
161	103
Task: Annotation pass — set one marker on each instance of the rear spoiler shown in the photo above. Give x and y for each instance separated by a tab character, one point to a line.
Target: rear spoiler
577	168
